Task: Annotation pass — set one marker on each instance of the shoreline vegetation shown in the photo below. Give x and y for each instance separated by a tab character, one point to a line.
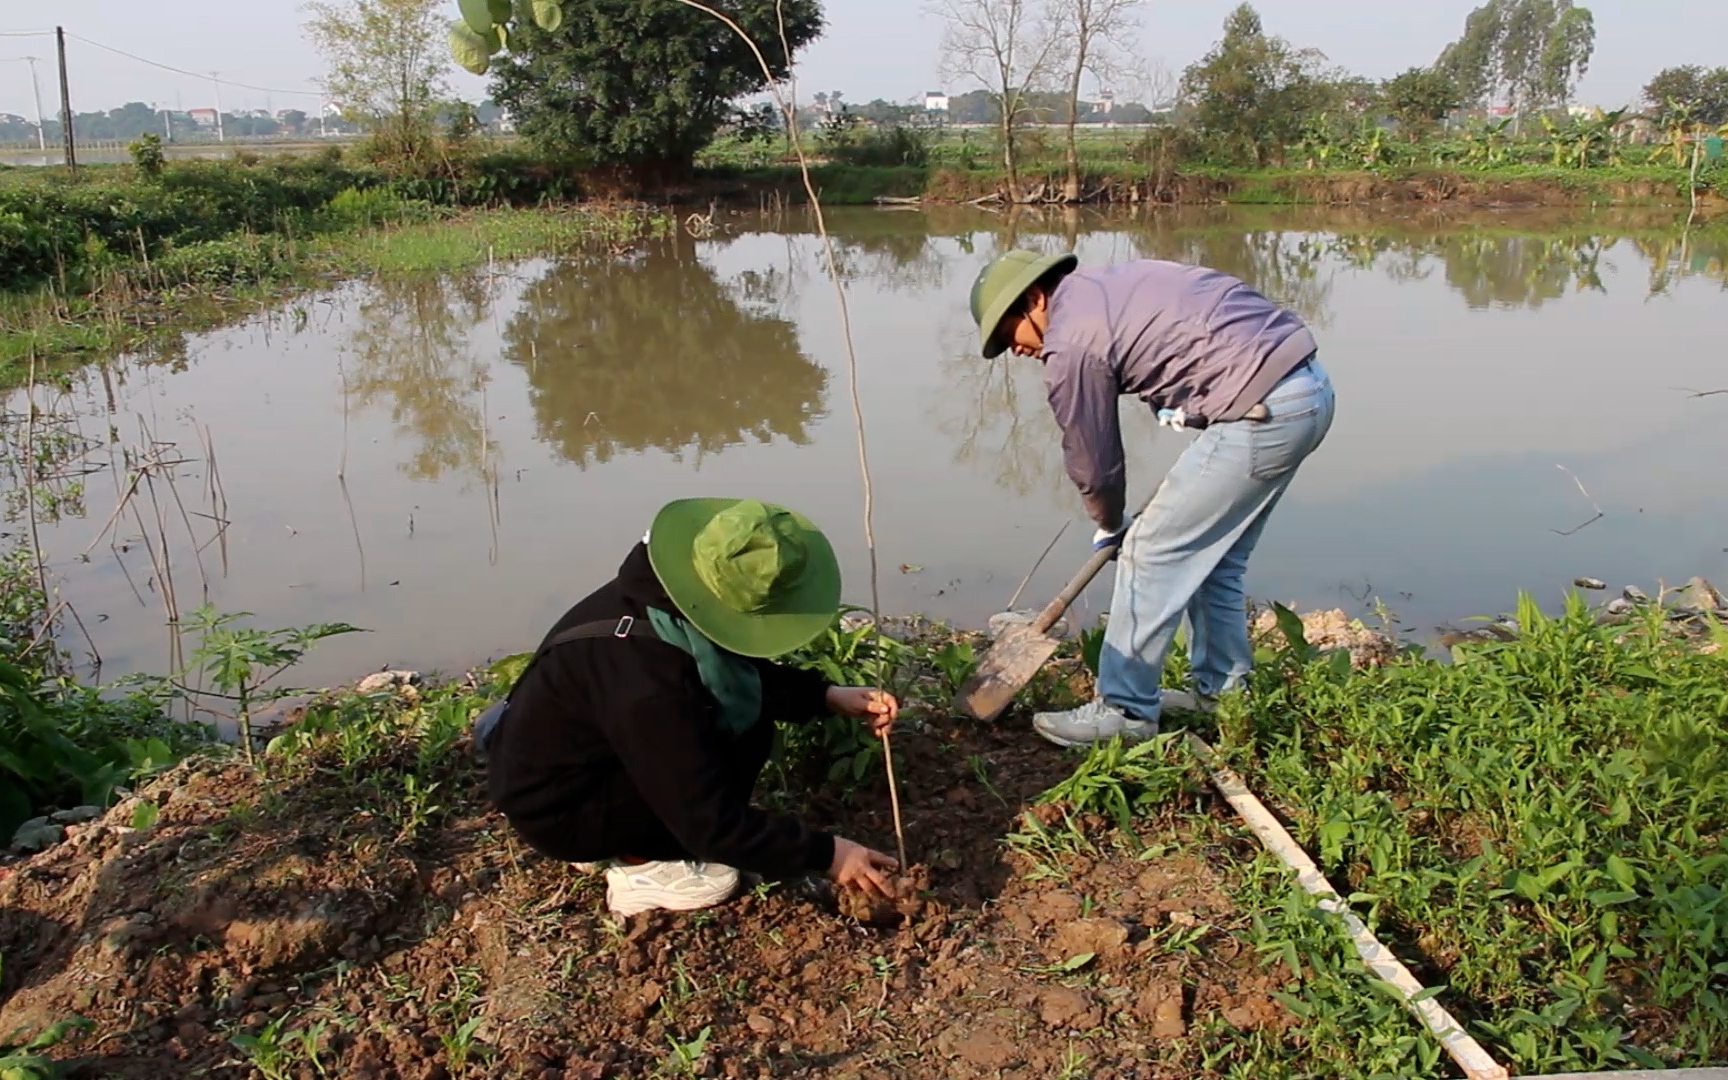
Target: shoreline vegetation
123	255
348	905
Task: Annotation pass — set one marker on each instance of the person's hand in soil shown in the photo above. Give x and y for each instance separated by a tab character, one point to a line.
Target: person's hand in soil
877	708
861	868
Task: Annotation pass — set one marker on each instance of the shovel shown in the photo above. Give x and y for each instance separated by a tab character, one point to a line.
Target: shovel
1021	650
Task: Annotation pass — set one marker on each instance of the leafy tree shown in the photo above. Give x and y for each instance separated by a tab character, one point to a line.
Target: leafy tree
386	65
1419	99
1251	95
1529	53
642	84
1698	95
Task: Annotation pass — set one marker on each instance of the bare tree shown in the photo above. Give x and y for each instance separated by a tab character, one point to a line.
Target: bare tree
1100	38
1011	48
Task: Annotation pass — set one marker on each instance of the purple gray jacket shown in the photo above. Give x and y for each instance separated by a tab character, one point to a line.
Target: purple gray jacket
1179	336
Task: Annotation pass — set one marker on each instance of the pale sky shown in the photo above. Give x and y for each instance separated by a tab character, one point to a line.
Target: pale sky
873	48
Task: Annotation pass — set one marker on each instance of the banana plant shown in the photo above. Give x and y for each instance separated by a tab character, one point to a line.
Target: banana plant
1681	128
1488	147
485	27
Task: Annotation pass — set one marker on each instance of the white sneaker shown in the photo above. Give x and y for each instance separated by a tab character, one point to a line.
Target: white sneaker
1092	722
673	886
1184	701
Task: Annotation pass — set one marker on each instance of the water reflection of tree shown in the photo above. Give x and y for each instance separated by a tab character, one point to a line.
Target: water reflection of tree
996	413
1290	268
1521	271
657	352
1674	258
411	347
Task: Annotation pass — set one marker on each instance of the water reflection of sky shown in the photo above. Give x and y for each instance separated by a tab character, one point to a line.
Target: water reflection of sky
503	440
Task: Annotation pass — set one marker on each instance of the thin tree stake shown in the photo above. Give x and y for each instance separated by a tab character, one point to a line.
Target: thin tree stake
894	800
789	109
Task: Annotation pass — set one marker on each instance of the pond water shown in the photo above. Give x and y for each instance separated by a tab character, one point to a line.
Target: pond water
449	462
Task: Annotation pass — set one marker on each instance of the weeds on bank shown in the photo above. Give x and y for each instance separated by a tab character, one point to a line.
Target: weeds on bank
1538	825
27	1060
1543	820
63	743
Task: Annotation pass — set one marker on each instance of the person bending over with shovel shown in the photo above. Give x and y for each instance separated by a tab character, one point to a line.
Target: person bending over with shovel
636	733
1210	354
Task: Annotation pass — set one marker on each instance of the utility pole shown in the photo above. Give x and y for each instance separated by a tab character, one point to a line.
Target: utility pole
167	126
217	83
66	103
36	88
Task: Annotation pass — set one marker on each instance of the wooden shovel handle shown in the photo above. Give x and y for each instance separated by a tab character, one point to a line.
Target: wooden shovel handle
1058	607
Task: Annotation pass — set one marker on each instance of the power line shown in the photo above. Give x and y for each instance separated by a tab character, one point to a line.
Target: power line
194	74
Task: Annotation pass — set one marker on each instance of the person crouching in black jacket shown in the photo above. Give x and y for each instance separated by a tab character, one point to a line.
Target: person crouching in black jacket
637	732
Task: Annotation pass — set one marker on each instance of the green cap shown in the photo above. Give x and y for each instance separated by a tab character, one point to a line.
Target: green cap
1001	285
755	579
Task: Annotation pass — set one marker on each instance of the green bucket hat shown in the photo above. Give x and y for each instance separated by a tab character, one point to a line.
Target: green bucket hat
1001	285
756	579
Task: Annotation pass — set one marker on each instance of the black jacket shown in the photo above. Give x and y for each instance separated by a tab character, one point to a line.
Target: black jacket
590	708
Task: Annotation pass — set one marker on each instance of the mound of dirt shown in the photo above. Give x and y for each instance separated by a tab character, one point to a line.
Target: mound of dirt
307	911
1331	630
873	909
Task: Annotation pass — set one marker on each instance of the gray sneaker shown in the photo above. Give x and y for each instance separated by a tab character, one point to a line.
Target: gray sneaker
1095	721
673	886
1186	701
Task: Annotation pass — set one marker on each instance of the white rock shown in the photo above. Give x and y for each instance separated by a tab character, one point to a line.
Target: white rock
386	681
1002	621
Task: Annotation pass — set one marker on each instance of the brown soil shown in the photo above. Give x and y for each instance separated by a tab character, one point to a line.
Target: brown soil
252	901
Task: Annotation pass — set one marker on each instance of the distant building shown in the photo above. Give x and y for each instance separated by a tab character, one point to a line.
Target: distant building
935	101
1106	101
204	118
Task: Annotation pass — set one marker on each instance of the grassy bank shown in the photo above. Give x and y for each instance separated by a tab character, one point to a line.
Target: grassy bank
1521	185
1536	827
121	257
79	289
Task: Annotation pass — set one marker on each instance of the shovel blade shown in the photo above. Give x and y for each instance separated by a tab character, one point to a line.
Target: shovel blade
1012	662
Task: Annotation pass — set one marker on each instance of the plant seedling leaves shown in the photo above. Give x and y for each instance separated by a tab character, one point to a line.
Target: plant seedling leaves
469	49
1621	871
56	1033
548	15
477	14
1075	963
145	815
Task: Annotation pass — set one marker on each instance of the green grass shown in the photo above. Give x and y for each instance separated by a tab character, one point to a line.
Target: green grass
1541	820
477	237
205	284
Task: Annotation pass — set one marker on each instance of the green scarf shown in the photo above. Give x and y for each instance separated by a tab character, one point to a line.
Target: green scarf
733	680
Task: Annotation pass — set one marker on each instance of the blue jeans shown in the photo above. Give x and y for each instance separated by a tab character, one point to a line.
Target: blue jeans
1187	554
